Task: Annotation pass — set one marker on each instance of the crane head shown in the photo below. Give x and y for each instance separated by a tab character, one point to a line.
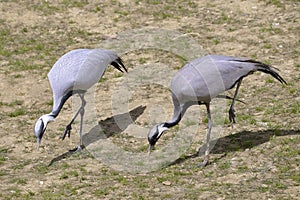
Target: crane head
154	134
40	127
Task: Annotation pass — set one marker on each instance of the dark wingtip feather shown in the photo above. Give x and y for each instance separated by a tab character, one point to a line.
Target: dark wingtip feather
270	70
266	69
118	63
122	63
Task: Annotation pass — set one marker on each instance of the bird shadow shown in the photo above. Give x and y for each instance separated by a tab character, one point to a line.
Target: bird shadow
109	127
239	142
112	125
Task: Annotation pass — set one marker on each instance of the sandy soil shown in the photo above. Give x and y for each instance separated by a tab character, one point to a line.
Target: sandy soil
256	159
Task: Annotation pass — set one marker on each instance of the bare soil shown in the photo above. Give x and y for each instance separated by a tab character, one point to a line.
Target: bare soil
256	159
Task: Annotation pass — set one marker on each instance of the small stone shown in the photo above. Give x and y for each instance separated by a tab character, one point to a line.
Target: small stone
273	169
167	183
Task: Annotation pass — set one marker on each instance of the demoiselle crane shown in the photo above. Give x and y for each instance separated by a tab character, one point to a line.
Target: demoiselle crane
74	73
203	79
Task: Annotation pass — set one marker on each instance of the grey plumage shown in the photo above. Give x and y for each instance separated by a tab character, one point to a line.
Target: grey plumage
203	79
74	73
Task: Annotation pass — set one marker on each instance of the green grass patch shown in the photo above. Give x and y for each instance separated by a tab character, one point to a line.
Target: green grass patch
17	112
14	193
270	80
121	179
190	123
277	3
295	108
103	79
15	102
104	191
259	108
216	41
2	160
271	30
279	185
225	165
243	169
21	164
3	150
19	181
2	173
248	118
296	178
40	168
263	188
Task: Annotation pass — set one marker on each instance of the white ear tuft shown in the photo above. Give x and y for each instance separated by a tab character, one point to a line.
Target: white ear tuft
161	128
47	118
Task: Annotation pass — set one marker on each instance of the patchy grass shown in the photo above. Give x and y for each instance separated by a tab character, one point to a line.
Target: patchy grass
250	158
17	112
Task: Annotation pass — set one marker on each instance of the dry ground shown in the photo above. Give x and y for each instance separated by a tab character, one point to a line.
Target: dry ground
257	159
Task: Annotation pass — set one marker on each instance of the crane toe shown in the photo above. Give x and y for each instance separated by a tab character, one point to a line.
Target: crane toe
204	163
67	132
78	149
232	116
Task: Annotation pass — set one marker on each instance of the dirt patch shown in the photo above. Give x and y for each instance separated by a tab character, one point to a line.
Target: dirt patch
257	159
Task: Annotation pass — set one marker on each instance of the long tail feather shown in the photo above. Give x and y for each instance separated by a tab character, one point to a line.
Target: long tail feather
266	69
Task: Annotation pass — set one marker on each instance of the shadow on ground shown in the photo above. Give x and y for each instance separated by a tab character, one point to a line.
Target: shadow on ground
231	143
109	127
240	142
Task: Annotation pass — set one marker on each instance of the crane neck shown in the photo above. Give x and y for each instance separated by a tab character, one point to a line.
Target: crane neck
174	121
56	109
178	113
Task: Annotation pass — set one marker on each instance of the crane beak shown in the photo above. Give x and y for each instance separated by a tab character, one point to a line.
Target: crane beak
38	141
151	147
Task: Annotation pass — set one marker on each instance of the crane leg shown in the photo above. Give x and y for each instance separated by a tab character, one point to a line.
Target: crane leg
82	110
231	109
209	126
69	126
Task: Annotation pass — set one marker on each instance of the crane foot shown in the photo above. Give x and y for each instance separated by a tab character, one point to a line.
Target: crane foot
67	132
205	161
231	116
78	149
